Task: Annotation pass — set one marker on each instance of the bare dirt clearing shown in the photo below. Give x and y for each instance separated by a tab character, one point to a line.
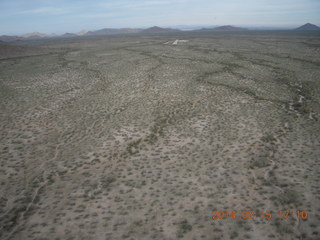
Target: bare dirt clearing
131	137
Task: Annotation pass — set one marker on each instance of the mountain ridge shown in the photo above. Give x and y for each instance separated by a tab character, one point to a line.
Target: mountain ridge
110	31
156	29
114	31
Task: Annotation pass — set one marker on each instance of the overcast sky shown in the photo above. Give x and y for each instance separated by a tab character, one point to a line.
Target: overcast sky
58	16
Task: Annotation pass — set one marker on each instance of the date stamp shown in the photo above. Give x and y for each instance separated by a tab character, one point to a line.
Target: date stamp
303	215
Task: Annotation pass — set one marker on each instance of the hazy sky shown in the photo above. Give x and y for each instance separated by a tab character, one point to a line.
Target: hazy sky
57	16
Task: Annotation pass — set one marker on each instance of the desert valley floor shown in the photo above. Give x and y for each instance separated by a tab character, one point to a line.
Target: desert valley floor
143	136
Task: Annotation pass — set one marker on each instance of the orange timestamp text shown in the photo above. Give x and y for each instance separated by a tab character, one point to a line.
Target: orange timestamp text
259	214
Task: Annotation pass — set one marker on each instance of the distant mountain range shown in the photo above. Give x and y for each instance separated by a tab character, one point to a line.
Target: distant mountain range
101	32
36	35
151	30
111	31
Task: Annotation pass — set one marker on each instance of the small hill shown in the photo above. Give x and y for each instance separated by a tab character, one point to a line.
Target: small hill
230	28
308	27
69	35
224	28
82	32
157	29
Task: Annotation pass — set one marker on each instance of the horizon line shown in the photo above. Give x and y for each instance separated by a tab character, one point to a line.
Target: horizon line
181	27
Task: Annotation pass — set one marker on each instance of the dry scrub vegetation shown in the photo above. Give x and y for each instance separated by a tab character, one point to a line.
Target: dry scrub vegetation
131	137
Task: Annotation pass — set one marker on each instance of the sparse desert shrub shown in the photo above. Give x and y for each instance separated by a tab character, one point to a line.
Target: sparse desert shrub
283	227
184	227
260	162
269	138
234	234
107	181
289	196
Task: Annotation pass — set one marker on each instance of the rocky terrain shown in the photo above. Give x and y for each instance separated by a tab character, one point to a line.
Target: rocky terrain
135	137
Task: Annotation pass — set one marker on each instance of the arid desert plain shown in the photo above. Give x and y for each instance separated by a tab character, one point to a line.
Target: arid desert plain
145	136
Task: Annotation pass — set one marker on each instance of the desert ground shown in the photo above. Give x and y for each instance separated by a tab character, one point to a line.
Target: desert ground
144	136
